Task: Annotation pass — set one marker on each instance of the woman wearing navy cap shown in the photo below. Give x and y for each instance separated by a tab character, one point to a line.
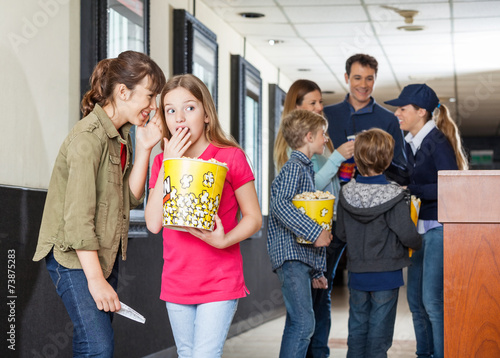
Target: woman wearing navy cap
432	144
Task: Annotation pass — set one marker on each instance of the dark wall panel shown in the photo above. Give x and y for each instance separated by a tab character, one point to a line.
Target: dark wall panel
42	326
139	287
265	300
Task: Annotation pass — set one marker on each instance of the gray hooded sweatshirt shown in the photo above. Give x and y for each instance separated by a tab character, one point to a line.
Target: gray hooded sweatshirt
374	220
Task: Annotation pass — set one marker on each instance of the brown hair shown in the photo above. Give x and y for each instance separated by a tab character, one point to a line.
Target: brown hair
373	151
447	125
364	60
296	94
294	97
213	130
129	68
298	123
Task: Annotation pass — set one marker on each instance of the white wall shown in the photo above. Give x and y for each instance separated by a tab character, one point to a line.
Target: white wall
39	75
40	71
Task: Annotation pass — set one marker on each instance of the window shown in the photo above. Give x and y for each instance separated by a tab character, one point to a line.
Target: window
252	120
125	31
107	28
246	115
276	106
126	24
195	50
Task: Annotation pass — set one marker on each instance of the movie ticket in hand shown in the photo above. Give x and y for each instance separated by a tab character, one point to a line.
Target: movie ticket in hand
128	312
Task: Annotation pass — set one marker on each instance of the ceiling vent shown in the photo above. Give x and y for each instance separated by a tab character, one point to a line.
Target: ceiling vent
251	15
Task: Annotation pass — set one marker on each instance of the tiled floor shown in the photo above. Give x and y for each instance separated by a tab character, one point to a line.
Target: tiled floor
264	341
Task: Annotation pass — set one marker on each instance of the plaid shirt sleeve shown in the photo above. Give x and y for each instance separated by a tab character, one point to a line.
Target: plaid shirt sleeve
284	210
286	222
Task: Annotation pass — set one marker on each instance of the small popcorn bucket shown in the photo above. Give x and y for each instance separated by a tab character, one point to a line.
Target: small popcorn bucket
320	210
192	190
414	210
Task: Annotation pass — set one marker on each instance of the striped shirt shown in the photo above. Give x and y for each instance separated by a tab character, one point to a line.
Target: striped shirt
286	222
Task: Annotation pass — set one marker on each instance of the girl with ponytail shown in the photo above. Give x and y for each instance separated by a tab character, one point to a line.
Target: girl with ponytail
433	143
92	189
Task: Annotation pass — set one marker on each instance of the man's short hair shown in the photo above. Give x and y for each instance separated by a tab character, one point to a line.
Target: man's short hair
373	151
296	124
364	60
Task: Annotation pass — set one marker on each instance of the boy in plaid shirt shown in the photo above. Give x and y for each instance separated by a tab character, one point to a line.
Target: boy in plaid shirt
298	266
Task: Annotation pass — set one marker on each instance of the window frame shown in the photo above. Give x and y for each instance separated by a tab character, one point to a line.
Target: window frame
94	48
187	29
240	69
276	106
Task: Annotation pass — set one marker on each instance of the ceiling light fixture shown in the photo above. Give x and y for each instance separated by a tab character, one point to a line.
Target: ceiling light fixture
274	42
411	28
251	15
304	69
408	16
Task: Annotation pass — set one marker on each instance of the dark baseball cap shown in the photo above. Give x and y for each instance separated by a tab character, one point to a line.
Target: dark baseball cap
420	95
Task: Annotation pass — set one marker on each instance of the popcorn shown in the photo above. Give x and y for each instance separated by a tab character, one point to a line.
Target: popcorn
316	195
211	160
186	181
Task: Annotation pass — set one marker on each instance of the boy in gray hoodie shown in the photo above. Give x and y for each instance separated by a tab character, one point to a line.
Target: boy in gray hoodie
373	218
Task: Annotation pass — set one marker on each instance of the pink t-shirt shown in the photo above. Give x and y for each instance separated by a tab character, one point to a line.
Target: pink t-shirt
193	271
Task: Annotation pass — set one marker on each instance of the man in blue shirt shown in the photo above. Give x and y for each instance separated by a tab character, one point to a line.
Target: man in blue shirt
359	111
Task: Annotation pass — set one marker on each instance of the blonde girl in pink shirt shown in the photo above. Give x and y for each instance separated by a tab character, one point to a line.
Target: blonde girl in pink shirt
202	277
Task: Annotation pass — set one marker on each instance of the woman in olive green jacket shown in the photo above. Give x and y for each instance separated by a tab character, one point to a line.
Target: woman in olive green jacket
92	189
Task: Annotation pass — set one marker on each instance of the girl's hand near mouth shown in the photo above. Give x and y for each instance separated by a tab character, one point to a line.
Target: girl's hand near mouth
178	144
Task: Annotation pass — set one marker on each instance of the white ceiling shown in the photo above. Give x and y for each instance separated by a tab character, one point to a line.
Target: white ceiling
457	54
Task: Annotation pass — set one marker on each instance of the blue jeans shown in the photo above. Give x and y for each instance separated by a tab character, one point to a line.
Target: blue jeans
371	322
92	331
318	348
295	279
201	330
425	295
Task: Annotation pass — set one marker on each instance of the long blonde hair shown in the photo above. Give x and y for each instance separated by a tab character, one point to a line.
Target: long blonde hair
449	128
213	130
294	98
